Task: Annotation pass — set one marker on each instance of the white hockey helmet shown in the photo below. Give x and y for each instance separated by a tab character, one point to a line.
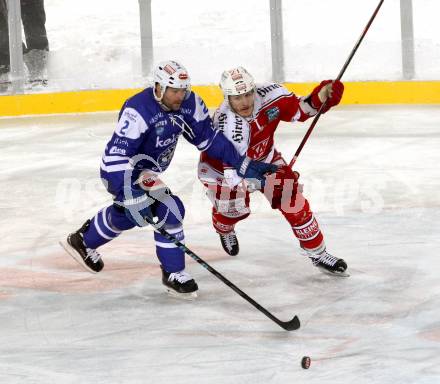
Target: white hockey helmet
236	81
171	74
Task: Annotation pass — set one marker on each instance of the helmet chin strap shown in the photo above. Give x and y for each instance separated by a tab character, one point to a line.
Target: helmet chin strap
159	98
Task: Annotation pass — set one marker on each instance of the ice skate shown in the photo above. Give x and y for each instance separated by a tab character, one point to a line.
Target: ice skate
230	243
180	284
329	264
89	258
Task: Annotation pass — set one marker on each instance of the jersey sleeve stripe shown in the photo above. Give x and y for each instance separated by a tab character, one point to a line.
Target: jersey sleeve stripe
115	168
264	105
111	159
203	146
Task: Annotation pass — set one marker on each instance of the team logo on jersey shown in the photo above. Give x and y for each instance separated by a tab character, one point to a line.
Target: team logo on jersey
166	156
256	151
272	114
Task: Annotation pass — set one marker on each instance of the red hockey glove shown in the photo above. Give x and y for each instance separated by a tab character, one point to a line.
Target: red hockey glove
328	89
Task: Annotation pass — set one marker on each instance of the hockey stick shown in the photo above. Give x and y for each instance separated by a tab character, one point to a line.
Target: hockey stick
287	325
315	120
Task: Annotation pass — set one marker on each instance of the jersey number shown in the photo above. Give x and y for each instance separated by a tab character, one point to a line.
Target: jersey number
124	128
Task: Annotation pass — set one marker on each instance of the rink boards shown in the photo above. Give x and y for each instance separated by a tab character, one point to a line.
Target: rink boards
402	92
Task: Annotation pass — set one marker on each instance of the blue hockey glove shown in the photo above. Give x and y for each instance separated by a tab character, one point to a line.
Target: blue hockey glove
254	171
137	204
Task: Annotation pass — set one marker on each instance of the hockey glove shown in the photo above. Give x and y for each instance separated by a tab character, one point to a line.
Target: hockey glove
254	171
137	204
330	90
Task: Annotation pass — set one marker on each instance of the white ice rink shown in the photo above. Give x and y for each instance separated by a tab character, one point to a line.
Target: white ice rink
372	177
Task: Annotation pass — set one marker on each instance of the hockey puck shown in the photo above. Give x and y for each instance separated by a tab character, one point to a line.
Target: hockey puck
305	362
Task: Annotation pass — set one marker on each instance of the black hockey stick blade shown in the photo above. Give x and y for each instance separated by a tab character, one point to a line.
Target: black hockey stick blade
286	325
291	325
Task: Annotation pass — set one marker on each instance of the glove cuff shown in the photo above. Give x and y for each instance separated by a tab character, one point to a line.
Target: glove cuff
315	101
135	200
244	166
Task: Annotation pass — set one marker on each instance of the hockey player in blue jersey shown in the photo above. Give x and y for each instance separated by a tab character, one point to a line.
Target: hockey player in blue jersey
142	146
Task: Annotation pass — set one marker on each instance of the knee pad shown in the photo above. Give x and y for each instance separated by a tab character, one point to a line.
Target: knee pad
171	211
117	219
299	212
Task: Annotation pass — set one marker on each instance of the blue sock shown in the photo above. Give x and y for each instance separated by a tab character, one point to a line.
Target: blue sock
107	224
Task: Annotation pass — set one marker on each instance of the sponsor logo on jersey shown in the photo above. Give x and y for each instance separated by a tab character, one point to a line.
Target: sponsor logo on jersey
156	117
221	121
264	91
130	115
186	111
120	141
160	143
272	114
116	150
237	132
160	126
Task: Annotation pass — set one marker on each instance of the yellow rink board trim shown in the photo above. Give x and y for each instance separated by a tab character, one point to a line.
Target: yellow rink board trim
402	92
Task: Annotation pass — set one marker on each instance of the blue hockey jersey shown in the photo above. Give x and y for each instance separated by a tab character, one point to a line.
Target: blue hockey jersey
146	137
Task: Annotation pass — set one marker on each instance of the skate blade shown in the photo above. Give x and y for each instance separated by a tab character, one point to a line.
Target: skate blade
183	296
71	251
337	274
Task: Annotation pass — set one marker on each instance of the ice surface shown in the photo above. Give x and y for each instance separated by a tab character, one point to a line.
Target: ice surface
371	175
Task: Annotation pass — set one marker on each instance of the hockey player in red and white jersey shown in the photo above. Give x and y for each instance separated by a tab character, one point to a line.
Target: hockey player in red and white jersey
248	117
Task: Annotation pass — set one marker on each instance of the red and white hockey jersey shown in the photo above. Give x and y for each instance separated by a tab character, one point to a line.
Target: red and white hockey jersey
254	136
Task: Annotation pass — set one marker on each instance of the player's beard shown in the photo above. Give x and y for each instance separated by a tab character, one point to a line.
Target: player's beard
175	106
